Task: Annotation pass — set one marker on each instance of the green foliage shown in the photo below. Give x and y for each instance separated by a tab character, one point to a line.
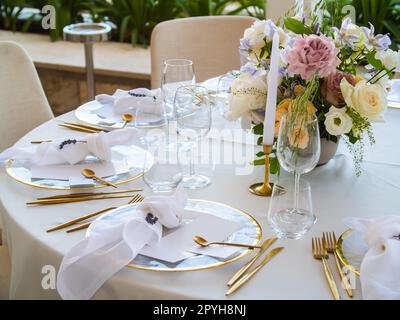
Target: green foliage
297	26
383	14
134	19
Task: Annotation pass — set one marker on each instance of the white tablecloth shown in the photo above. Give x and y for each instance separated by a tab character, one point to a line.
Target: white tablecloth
294	274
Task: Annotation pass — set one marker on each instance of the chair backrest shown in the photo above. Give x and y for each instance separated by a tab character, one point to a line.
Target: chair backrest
212	43
23	104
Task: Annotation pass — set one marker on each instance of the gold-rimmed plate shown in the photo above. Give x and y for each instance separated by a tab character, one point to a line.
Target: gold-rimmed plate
351	249
250	233
134	158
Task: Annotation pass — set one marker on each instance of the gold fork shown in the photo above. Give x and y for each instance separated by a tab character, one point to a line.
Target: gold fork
87	224
136	198
319	252
330	242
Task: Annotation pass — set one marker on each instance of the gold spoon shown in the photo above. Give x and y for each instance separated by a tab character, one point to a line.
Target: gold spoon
204	243
88	173
127	118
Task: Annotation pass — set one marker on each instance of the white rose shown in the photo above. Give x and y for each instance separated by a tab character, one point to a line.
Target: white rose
367	99
390	59
247	93
338	122
256	34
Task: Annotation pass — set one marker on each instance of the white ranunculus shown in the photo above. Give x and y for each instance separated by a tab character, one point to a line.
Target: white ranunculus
370	100
256	34
337	121
247	93
389	58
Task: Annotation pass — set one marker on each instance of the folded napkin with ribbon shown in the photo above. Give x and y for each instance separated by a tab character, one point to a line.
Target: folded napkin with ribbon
112	244
72	150
128	101
380	267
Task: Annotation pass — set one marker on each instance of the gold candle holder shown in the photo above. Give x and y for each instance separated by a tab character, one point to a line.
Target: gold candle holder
264	189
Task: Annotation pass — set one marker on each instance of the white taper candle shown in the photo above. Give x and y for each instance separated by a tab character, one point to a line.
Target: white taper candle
273	78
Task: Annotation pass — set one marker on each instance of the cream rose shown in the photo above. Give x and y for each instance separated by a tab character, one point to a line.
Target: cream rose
367	99
337	121
389	58
247	93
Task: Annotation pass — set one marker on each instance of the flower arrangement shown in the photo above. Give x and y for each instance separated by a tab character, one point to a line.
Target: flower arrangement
340	74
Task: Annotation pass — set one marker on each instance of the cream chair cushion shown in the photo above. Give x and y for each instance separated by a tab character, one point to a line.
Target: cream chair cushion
23	104
212	43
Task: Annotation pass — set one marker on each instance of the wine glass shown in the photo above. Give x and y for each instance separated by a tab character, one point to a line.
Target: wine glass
193	119
176	73
298	152
224	91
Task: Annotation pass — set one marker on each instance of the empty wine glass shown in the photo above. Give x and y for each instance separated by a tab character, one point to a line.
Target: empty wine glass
176	73
193	118
298	152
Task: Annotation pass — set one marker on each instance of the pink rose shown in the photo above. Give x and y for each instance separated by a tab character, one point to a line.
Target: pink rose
312	55
330	88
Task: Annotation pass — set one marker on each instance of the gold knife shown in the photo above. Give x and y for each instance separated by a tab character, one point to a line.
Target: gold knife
249	275
86	126
70	200
76	128
87	194
265	246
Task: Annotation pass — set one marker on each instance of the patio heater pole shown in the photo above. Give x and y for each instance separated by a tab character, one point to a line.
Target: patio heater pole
88	33
89	70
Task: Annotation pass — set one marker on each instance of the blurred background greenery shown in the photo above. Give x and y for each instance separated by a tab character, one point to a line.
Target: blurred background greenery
133	20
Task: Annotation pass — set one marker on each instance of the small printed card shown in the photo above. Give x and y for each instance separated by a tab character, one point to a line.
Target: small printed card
179	244
65	172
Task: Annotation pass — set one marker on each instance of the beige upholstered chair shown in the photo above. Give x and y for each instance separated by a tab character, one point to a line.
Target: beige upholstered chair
212	43
23	104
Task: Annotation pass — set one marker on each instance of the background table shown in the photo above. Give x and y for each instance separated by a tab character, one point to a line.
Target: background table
294	274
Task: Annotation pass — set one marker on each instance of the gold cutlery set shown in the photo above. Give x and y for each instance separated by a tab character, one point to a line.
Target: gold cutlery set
243	274
79	197
320	249
136	199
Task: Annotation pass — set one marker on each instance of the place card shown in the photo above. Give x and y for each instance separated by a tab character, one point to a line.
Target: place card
64	172
80	182
179	245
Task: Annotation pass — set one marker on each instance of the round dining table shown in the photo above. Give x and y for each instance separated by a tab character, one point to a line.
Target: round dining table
337	193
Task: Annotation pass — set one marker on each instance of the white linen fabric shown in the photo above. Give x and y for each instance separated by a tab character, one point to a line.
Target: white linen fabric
337	194
128	101
51	153
113	244
380	268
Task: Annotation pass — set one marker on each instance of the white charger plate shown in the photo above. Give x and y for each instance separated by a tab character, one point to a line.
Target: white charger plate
351	249
134	157
250	233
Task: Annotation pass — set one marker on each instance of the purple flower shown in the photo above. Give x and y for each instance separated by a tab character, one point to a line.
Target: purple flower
245	45
379	42
349	34
250	68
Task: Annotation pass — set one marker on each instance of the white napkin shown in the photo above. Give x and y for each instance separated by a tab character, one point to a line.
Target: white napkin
51	153
127	101
380	268
112	244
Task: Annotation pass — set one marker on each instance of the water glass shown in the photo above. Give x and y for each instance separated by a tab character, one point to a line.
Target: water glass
285	221
165	172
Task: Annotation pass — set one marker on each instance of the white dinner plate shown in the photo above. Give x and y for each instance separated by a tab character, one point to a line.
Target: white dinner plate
394	95
132	157
250	233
